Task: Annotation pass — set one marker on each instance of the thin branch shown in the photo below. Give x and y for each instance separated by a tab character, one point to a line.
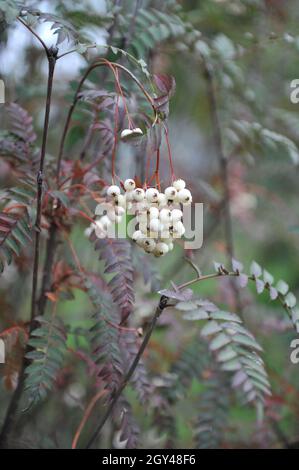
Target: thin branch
86	415
9	419
193	265
34	34
51	63
162	305
46	279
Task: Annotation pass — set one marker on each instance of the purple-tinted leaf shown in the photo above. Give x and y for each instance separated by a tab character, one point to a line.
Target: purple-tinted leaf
237	266
185	294
290	300
210	328
239	378
218	266
198	314
165	84
268	278
207	305
273	293
116	253
255	269
282	287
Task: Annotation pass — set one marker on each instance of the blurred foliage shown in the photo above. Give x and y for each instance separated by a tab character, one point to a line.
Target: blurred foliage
180	396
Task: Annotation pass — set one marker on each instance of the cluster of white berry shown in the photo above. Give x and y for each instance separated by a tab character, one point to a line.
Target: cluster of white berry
115	210
158	215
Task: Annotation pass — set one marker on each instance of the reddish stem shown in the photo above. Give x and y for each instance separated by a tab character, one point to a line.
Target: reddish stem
169	153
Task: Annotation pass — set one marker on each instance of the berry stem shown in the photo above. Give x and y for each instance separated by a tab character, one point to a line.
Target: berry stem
115	140
169	153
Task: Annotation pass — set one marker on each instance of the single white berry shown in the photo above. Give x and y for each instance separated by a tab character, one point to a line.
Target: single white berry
179	184
120	200
161	249
128	134
170	193
170	246
184	196
162	200
176	214
165	216
138	194
113	191
129	185
153	213
149	244
178	229
155	225
152	194
138	236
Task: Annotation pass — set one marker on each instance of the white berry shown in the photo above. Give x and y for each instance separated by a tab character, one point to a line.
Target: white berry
152	195
149	244
121	200
129	185
153	212
178	229
138	237
161	249
138	194
113	191
184	196
155	225
162	200
179	184
165	216
170	193
176	214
